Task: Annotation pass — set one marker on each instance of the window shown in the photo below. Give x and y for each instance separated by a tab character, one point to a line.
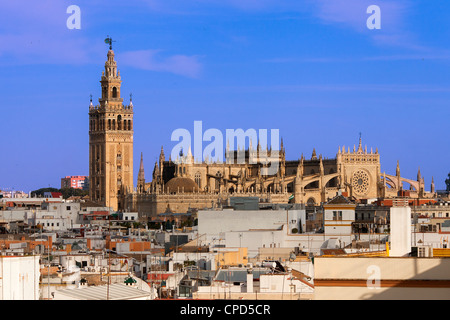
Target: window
67	208
219	176
198	179
337	215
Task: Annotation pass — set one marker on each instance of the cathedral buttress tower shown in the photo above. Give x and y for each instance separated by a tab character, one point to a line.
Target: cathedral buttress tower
110	142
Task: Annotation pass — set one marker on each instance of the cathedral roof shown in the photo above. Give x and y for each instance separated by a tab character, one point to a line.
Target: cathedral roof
181	184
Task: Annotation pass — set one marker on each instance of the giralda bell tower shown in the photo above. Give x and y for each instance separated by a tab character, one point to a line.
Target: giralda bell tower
110	141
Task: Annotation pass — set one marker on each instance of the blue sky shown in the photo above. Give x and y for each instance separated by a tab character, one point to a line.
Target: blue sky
311	69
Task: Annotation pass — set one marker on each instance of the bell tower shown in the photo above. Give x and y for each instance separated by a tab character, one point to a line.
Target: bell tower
110	141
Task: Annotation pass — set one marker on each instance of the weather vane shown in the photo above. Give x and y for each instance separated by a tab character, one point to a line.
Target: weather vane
109	41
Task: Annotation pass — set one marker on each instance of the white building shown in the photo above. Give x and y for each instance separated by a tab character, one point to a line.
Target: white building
19	277
57	216
214	224
52	216
339	214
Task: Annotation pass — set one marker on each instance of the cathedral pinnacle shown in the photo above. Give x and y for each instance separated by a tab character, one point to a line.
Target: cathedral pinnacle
360	150
141	175
314	155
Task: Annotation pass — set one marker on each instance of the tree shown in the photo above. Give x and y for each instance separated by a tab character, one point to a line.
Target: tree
447	183
66	192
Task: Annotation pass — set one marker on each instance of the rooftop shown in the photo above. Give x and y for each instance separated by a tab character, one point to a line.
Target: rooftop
116	292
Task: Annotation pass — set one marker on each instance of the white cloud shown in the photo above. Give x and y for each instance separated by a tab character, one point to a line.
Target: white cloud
152	60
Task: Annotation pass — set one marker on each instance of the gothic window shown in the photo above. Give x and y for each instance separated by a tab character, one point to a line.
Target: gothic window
218	175
311	202
198	179
114	92
119	122
360	182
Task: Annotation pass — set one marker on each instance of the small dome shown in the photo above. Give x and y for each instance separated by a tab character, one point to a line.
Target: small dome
181	184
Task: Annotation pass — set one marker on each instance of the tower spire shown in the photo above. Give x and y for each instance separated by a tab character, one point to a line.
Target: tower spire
360	150
141	174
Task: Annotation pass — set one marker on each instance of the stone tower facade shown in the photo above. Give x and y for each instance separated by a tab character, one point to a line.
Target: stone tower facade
359	172
110	141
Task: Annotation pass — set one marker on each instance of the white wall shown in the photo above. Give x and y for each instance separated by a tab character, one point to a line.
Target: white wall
20	278
400	218
253	240
337	227
215	223
282	283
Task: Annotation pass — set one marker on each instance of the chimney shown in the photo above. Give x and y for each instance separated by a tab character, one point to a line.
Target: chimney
400	216
249	280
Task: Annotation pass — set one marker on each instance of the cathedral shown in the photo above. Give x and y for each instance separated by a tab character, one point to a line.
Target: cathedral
182	185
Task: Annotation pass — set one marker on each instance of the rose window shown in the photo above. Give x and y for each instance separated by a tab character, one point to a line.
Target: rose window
360	182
